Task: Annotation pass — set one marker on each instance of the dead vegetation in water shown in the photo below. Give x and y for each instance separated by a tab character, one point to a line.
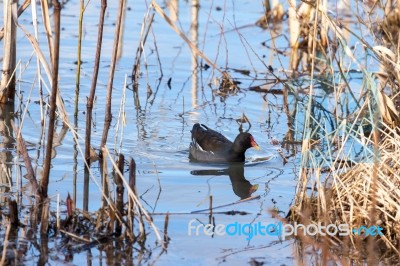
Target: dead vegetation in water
359	194
38	218
119	225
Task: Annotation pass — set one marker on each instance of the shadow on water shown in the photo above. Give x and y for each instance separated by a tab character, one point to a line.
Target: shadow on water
240	185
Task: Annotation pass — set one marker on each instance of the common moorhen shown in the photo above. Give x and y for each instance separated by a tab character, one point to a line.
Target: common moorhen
210	146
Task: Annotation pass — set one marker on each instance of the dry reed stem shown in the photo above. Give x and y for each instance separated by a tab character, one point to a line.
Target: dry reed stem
75	236
108	115
144	32
105	182
49	145
39	70
294	27
166	238
121	121
192	46
48	30
119	202
21	9
79	57
5	244
89	104
45	208
7	83
121	29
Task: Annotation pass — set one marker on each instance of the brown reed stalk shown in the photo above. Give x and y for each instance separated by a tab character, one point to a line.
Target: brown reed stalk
85	203
132	174
121	29
21	10
13	209
6	238
89	105
52	113
105	182
108	115
45	208
7	83
44	250
120	193
166	238
132	185
267	6
47	27
372	258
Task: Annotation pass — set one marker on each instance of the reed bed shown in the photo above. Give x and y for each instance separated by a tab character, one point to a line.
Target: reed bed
350	146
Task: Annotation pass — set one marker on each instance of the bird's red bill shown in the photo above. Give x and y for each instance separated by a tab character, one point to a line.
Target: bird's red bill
254	144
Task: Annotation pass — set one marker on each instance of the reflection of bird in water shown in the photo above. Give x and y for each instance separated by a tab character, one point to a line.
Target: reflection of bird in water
241	187
211	146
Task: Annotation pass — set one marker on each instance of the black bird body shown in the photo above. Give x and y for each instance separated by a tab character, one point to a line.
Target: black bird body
211	146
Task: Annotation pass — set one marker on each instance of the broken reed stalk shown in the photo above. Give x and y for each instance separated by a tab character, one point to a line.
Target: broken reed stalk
120	193
22	150
143	38
7	83
108	115
89	105
79	60
132	195
105	182
166	238
132	186
53	97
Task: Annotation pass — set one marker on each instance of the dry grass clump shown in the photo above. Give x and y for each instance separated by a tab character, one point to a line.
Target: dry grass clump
356	182
353	196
